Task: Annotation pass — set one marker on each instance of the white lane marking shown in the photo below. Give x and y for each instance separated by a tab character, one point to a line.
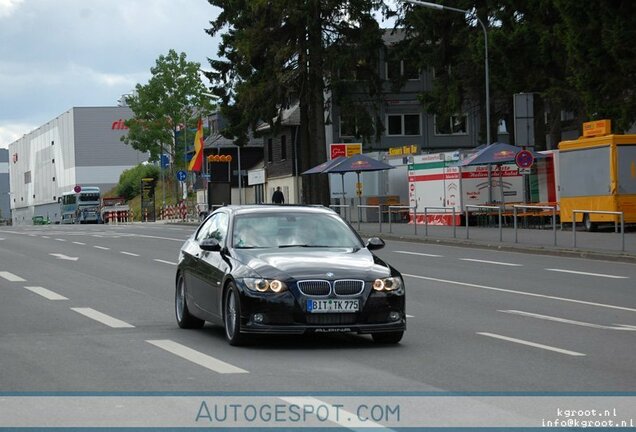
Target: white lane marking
567	321
79	243
410	316
520	292
64	257
129	253
101	247
102	318
11	277
491	262
97	235
197	357
59	239
532	344
46	237
48	294
419	253
1	238
588	274
336	414
165	262
162	238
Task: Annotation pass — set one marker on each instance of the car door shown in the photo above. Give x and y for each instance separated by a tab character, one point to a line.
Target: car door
210	268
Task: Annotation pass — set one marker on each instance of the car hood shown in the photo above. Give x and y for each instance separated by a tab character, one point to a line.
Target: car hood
315	263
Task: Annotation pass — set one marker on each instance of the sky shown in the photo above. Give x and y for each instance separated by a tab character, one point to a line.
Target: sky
59	54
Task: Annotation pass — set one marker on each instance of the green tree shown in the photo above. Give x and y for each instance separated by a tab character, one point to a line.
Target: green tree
172	100
129	185
276	52
599	39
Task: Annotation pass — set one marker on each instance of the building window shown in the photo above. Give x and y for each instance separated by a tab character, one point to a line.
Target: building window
53	179
403	124
214	128
451	125
283	147
52	142
54	197
396	69
393	69
27	177
53	160
410	70
348	126
270	150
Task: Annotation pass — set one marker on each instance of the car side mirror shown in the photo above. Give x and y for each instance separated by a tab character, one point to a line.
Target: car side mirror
375	243
210	245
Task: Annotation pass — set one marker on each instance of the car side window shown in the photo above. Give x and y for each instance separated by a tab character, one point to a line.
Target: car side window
215	227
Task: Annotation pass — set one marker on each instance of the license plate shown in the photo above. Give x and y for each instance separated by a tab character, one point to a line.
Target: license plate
332	305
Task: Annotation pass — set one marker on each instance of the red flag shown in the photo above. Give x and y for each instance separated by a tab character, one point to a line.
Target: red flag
197	160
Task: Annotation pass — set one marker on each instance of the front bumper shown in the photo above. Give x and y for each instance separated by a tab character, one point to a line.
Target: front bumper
286	313
254	328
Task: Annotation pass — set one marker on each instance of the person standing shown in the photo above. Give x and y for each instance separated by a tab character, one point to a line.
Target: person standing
278	197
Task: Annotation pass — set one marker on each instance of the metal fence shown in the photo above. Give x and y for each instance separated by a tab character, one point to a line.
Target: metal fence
622	218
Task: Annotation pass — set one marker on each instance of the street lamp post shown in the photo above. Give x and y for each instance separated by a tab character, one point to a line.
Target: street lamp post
483	27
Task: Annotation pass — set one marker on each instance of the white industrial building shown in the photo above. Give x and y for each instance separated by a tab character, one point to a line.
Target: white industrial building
80	147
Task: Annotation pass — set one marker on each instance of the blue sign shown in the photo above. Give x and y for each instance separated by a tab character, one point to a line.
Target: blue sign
165	161
181	175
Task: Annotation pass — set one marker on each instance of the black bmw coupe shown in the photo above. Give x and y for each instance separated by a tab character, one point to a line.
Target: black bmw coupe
286	270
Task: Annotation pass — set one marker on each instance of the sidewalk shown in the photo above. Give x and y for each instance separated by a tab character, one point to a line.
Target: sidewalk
605	244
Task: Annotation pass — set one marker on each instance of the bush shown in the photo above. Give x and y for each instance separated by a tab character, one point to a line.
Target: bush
130	180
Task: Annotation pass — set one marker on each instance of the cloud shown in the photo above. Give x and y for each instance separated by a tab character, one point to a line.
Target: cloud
7	7
60	54
11	132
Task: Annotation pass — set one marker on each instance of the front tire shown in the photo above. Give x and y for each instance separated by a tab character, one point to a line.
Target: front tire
388	337
232	316
184	318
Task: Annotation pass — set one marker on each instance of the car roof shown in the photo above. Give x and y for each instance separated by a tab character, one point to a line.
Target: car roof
277	208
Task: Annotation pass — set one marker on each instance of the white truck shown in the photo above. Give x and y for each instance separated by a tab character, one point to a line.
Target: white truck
437	180
114	209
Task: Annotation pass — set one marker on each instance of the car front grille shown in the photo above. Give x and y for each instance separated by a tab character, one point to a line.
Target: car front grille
341	287
314	287
331	319
348	287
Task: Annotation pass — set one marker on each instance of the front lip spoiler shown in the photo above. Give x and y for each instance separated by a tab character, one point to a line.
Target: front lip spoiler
253	328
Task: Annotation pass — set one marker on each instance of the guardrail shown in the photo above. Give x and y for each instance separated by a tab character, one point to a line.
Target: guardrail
379	207
445	211
499	210
342	206
514	218
621	214
392	207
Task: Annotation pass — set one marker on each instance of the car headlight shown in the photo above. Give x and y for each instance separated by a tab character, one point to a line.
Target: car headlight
265	285
387	284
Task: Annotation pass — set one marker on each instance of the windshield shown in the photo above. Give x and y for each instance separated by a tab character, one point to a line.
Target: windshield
93	196
292	230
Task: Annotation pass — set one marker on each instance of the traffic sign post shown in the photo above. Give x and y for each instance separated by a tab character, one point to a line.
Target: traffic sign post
524	159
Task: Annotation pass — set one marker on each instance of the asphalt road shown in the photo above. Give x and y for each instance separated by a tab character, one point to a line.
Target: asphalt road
90	308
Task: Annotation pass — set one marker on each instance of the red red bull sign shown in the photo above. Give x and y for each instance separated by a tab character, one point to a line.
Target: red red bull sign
344	149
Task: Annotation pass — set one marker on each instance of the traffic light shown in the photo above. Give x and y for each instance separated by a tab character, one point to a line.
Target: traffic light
220	158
